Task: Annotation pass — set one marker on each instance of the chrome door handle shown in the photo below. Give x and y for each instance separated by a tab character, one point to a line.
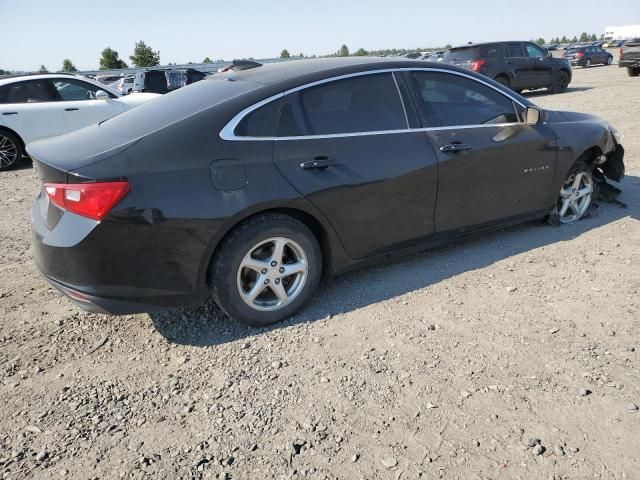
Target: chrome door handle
455	148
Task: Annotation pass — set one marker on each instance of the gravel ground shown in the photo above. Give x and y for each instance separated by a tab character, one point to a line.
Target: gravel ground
513	355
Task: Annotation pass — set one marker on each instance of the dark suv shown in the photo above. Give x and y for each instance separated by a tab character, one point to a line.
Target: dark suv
517	65
630	57
587	56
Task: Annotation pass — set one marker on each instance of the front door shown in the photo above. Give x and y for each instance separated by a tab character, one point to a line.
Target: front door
540	64
491	166
518	62
78	101
345	146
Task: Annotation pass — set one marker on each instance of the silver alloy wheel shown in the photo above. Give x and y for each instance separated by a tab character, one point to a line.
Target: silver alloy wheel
588	63
272	274
609	60
575	197
8	152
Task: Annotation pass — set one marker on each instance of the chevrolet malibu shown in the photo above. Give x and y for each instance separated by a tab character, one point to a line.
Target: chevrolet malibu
253	183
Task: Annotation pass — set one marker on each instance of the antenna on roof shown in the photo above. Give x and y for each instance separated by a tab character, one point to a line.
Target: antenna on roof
245	65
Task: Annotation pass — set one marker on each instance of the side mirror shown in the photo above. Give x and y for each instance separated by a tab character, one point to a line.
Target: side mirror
102	95
533	116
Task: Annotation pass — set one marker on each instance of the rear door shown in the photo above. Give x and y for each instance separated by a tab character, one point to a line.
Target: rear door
541	66
30	109
345	146
77	99
518	62
491	166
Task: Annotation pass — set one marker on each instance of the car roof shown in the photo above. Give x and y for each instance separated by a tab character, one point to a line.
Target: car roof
270	73
36	76
482	44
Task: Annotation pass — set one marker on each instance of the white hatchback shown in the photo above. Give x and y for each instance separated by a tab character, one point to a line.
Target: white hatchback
33	107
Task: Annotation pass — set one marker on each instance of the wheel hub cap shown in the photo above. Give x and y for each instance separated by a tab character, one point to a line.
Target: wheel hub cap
575	197
272	274
8	152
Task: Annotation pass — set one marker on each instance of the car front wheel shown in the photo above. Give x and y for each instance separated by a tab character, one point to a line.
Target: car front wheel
633	72
609	60
575	195
266	269
10	151
560	82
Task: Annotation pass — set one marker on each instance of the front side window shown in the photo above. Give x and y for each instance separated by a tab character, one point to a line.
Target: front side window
72	90
452	100
366	103
30	91
533	51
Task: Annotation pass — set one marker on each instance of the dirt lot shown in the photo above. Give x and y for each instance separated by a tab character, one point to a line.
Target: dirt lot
443	365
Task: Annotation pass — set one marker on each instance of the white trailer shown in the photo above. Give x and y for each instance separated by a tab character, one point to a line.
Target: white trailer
621	33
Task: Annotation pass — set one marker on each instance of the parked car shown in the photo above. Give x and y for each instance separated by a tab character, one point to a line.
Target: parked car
253	183
433	56
40	106
517	65
165	80
630	57
411	55
125	85
551	48
587	56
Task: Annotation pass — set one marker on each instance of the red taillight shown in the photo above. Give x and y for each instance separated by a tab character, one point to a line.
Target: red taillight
621	50
579	54
93	200
477	65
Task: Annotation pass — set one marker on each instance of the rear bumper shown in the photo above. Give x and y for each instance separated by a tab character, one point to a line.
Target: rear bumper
631	63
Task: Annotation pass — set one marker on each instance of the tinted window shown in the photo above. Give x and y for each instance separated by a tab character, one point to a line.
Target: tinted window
460	55
366	103
534	51
71	90
515	50
261	122
452	100
31	91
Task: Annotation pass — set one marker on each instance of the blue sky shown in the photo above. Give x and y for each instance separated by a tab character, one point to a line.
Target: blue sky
36	32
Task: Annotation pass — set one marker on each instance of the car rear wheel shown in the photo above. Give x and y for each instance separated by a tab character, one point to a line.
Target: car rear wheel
266	269
502	80
560	82
609	60
10	151
587	63
575	195
633	72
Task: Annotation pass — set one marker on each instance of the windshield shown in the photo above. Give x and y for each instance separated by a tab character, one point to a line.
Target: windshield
175	106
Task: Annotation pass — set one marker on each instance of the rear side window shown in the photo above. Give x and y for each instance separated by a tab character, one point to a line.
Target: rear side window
460	55
515	50
261	122
447	100
31	91
366	103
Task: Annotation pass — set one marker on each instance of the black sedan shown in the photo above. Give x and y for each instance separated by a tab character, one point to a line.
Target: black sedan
587	56
253	183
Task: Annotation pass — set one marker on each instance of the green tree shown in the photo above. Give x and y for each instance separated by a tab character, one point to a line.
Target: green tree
207	60
43	69
593	37
447	46
564	40
574	39
144	56
540	41
68	66
109	60
285	54
344	51
584	37
361	52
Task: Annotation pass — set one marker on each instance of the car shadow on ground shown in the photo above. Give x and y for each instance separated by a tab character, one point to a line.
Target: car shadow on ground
25	164
544	91
207	325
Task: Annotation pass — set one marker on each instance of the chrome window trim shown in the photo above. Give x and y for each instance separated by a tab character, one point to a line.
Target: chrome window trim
228	132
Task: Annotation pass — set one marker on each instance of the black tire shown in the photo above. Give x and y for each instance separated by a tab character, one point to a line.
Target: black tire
633	72
587	63
560	82
609	60
11	151
502	80
224	272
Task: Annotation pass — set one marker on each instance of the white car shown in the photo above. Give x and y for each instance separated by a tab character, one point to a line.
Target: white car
33	107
